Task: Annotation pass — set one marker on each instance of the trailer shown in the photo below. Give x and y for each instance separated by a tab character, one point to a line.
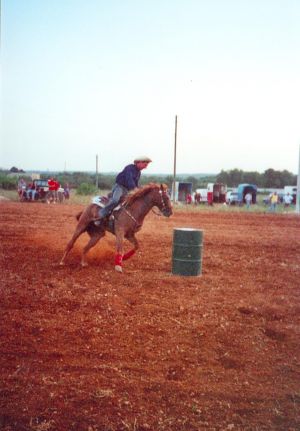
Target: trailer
243	189
182	190
216	193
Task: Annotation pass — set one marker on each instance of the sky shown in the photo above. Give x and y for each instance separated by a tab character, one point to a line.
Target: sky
107	78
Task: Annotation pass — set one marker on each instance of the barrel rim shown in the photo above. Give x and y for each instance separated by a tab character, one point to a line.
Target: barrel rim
188	229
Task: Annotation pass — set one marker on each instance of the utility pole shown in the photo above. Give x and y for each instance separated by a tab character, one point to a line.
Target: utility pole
298	188
97	170
174	170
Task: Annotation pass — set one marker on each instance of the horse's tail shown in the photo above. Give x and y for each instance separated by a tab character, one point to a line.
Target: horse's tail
79	215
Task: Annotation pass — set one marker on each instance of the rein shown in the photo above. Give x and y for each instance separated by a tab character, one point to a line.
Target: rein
162	204
156	213
129	214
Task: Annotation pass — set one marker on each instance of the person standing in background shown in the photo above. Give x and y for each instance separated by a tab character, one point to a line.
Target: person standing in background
273	202
248	199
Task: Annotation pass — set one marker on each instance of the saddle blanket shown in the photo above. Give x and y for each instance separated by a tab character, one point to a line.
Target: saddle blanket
101	201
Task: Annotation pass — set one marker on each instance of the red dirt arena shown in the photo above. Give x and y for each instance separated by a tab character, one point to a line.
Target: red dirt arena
90	349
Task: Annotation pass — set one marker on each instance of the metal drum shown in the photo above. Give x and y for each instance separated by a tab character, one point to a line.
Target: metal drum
187	251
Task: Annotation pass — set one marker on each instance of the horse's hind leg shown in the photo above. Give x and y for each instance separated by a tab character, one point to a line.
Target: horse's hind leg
79	230
95	236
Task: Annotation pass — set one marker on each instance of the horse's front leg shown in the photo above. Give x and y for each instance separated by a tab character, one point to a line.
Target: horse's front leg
131	252
119	250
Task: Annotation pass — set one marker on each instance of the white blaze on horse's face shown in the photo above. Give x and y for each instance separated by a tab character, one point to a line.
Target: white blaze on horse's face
165	204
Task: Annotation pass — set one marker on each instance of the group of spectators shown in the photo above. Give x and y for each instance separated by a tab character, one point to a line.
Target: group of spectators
273	200
32	191
29	192
287	200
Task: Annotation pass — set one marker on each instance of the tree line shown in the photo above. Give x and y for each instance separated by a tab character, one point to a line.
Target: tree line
269	179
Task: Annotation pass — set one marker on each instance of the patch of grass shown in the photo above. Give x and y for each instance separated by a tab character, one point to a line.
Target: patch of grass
12	195
255	208
76	199
84	199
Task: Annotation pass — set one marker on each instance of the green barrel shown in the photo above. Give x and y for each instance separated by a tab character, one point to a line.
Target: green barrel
187	251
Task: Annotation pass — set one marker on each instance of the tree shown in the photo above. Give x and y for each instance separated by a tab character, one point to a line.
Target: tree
223	177
277	179
16	170
232	178
252	178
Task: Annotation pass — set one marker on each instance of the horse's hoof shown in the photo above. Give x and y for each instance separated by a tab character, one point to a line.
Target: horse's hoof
61	263
118	268
84	264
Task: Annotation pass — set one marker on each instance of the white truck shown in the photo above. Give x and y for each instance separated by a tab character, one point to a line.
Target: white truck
203	194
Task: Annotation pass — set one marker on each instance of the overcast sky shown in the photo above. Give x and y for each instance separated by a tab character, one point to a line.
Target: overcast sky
107	77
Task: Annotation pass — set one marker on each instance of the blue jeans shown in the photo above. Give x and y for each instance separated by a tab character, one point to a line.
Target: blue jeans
117	192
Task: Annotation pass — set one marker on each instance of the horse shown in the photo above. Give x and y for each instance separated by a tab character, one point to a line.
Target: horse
127	220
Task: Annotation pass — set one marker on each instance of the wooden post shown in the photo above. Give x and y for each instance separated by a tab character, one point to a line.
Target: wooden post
97	170
174	170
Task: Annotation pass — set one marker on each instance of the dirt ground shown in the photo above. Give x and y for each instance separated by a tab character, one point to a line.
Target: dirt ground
89	349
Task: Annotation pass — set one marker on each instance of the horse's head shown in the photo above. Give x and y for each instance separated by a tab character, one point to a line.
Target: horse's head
162	200
150	196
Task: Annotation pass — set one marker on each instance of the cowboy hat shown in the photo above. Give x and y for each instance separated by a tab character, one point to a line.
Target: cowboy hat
142	159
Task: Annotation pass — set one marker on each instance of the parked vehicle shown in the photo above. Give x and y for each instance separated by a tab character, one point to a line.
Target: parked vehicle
42	189
232	198
243	189
39	190
181	191
216	193
203	194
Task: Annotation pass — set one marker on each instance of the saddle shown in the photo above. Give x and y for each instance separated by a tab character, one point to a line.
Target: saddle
109	220
101	201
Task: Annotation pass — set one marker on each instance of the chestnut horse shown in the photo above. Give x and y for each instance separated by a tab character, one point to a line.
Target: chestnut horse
127	221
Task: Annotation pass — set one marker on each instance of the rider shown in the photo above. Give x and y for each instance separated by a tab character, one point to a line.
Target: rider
126	180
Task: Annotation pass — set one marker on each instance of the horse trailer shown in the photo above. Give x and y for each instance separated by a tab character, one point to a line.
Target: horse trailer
243	189
216	193
181	191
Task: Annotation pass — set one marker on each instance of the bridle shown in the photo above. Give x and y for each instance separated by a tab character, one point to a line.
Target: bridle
163	208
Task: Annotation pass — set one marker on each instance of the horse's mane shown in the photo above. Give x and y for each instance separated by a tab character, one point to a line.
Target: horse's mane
141	193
